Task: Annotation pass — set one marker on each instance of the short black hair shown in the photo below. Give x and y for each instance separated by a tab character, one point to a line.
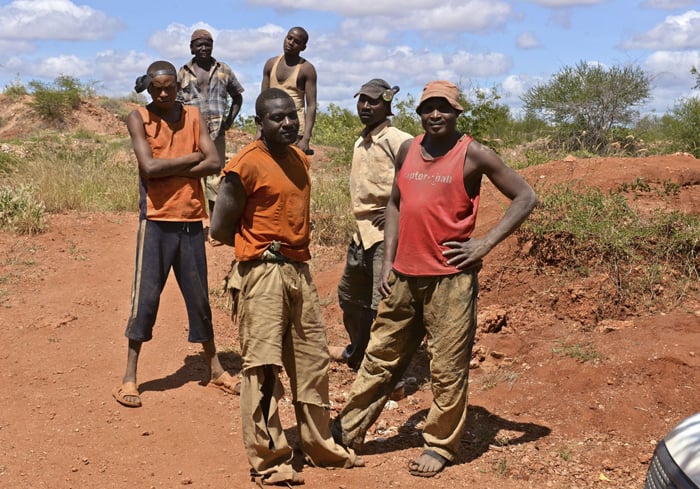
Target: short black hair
161	67
302	31
268	94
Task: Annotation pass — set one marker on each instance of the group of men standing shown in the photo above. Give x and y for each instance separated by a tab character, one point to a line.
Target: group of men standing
411	269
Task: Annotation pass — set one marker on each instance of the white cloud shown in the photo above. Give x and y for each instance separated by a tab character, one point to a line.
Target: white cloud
675	32
527	40
55	20
669	4
673	67
473	16
68	65
565	3
236	46
444	15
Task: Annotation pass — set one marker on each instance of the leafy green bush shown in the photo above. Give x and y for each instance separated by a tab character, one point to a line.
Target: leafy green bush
55	101
584	102
338	128
20	212
15	89
682	126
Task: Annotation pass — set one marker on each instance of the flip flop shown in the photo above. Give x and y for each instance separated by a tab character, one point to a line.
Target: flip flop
122	392
415	471
226	383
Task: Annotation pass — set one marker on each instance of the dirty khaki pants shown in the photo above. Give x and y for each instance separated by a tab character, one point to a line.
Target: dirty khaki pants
280	326
443	309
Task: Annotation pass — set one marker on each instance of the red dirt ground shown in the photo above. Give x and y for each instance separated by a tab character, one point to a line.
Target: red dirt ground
537	418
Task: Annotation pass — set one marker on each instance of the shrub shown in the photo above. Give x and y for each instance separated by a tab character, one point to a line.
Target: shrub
15	89
338	128
580	231
20	212
682	126
55	101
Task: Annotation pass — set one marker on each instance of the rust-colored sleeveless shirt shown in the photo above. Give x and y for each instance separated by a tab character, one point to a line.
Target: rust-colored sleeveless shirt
278	193
435	208
171	198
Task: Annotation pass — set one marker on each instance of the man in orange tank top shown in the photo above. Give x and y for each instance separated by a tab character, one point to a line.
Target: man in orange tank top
296	76
429	276
263	211
173	150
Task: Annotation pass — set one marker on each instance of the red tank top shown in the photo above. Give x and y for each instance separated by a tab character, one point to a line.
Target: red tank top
434	208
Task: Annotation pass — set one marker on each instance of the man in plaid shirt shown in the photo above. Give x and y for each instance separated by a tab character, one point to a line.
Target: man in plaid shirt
208	84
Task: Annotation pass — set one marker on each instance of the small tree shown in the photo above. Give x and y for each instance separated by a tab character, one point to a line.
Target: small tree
694	71
682	126
584	102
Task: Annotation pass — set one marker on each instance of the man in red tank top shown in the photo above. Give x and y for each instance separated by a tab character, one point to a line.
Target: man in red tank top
429	275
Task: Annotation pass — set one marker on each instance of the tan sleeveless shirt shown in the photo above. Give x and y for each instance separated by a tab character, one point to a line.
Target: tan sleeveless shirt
290	86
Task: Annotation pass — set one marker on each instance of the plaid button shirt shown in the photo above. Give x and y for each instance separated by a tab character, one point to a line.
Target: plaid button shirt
222	83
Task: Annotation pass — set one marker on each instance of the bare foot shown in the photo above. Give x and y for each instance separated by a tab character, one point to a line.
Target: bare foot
427	465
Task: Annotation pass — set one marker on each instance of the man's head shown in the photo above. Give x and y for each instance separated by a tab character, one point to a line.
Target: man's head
441	89
276	115
201	44
161	82
295	41
374	104
439	108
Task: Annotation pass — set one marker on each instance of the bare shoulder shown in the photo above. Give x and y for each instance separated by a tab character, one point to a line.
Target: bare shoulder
307	69
134	119
481	156
269	63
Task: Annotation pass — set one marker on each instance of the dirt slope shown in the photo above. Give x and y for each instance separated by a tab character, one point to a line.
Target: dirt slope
537	418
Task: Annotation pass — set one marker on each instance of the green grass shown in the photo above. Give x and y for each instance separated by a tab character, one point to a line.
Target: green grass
581	352
579	231
20	211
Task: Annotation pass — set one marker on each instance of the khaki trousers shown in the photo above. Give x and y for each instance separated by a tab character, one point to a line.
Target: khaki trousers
442	309
280	326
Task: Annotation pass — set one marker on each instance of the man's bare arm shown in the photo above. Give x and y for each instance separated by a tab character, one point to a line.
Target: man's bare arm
523	199
230	202
156	167
310	78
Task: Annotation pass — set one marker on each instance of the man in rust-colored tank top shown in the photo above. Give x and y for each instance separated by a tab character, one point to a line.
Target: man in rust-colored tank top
429	276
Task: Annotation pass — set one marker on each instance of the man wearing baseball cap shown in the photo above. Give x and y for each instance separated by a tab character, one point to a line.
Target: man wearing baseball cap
371	177
429	275
208	83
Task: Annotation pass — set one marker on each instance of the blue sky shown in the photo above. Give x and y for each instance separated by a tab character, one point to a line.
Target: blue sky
475	43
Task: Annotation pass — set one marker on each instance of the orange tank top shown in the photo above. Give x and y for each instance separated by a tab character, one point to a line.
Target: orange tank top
278	193
172	198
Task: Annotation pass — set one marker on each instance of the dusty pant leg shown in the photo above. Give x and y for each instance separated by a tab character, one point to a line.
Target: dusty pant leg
450	321
396	334
306	360
355	299
262	325
319	448
266	446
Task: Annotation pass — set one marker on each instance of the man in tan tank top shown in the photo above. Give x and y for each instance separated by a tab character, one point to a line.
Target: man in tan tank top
296	76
